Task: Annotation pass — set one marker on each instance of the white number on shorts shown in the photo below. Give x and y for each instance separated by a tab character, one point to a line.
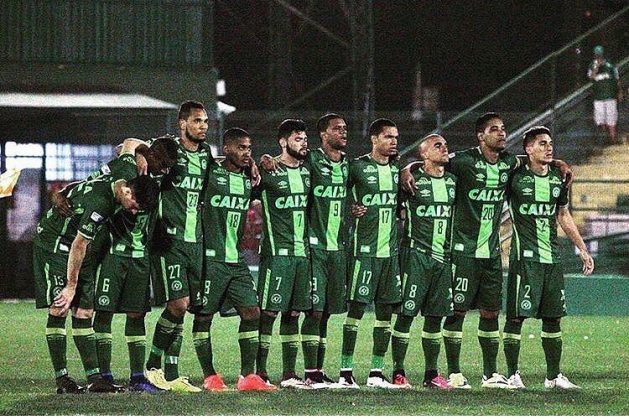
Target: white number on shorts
105	285
461	284
527	291
413	291
279	281
367	277
174	271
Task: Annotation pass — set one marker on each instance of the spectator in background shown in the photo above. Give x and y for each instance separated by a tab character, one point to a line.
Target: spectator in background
607	92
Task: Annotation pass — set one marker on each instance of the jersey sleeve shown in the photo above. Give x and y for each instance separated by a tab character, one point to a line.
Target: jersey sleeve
95	215
564	195
123	167
256	192
454	163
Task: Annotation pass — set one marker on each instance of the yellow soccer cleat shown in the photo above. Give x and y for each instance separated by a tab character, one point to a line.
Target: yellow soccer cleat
183	385
156	377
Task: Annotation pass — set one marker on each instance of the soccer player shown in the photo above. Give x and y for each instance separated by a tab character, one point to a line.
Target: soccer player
123	276
64	269
227	193
373	179
177	251
284	279
425	261
538	199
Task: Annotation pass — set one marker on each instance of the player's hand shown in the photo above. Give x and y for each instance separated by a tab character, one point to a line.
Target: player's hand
61	205
64	299
566	171
268	163
142	164
357	210
588	263
407	181
255	174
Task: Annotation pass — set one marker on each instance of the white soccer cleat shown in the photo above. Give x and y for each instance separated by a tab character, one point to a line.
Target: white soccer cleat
515	380
458	381
294	383
379	381
496	381
346	383
560	382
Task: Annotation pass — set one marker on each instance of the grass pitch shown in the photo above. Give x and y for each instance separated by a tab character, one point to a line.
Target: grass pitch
596	356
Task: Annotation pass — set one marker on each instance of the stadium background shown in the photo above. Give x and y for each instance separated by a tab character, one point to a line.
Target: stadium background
77	77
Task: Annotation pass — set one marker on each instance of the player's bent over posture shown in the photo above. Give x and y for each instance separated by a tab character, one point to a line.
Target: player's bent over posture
538	199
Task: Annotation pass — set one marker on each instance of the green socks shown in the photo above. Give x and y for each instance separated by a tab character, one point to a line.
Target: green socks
135	336
552	344
203	345
489	340
171	361
452	337
102	332
266	331
162	338
310	342
85	342
431	343
350	332
248	343
381	335
289	336
399	341
511	338
56	339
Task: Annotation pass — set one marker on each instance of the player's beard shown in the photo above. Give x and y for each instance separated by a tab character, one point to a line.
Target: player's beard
295	153
192	138
338	145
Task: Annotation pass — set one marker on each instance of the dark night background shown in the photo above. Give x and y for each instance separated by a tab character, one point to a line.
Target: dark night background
466	48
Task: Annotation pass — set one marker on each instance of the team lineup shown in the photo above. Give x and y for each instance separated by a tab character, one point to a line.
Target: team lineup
168	214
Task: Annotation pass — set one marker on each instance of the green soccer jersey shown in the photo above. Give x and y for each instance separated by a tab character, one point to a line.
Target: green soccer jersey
429	215
533	201
479	200
93	204
605	84
374	186
122	167
130	233
284	195
178	210
225	213
327	201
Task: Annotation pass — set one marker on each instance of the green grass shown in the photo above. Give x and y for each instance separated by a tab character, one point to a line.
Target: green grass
598	363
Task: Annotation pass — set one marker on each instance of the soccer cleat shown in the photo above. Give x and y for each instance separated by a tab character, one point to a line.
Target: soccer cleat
377	380
294	382
315	380
326	378
516	380
156	377
496	381
183	385
438	382
458	381
560	382
142	384
99	384
253	382
347	381
214	383
110	378
401	381
67	385
264	376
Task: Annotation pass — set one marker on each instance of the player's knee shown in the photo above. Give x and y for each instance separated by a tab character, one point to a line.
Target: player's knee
249	313
58	312
270	314
318	315
487	314
178	307
135	315
82	313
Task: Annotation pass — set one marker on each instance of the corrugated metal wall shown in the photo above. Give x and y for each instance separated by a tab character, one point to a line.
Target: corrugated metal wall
133	32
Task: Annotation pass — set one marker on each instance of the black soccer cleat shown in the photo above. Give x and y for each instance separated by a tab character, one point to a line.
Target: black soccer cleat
101	385
67	385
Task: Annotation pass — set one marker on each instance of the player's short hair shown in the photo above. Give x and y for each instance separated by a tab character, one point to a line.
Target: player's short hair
233	134
531	133
287	127
376	126
165	146
185	109
481	122
324	121
145	190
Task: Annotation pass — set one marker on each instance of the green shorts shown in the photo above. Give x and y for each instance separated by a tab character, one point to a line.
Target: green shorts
123	284
535	290
426	284
232	281
329	274
284	283
375	280
51	274
477	283
177	272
